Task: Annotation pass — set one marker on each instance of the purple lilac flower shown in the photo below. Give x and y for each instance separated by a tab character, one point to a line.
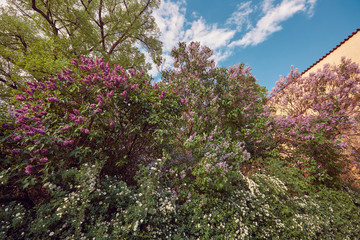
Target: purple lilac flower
162	95
20	97
84	130
133	87
67	127
15	151
111	93
30	133
44	160
72	116
18	138
6	125
123	94
67	143
74	62
53	99
28	169
79	120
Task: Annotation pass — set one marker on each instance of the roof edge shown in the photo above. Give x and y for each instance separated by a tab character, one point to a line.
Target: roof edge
337	46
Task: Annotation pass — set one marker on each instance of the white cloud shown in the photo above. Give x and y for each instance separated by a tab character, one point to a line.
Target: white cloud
209	35
259	21
267	5
170	18
272	19
241	16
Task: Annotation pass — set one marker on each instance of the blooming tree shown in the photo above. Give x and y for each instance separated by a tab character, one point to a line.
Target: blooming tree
315	115
89	112
224	120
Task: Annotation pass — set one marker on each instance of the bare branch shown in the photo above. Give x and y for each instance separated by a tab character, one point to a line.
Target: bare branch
101	26
13	86
115	44
46	16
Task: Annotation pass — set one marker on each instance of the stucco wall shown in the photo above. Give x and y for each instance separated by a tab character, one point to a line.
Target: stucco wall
350	49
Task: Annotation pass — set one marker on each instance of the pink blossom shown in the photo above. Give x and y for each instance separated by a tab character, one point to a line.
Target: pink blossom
84	130
36	151
20	97
15	151
183	100
123	94
99	98
111	124
93	105
67	143
77	112
28	169
44	160
98	110
67	127
18	138
30	133
162	95
44	151
133	87
74	62
79	120
72	116
110	94
53	99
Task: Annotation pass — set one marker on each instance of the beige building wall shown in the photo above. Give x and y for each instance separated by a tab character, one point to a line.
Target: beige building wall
349	48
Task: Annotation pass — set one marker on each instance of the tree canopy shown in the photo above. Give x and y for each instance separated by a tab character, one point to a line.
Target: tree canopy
40	37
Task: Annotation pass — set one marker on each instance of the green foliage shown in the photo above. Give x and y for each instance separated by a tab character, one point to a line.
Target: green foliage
102	153
39	38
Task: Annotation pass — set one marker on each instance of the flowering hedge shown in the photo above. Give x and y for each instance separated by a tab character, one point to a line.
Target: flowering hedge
102	152
87	113
314	116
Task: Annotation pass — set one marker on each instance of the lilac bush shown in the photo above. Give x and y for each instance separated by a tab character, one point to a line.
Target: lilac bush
87	113
224	124
314	115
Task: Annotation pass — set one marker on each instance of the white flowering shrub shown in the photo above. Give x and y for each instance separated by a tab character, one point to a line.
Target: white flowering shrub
259	206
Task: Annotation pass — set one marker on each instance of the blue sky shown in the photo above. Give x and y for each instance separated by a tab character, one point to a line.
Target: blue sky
267	35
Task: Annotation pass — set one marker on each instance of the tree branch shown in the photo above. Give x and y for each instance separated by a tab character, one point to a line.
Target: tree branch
46	16
13	86
101	25
115	44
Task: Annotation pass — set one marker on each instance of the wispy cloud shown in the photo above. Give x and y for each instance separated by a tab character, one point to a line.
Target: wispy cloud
249	25
241	17
209	35
272	19
174	28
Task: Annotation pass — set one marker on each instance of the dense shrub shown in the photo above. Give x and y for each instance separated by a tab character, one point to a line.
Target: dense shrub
314	116
102	153
88	113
